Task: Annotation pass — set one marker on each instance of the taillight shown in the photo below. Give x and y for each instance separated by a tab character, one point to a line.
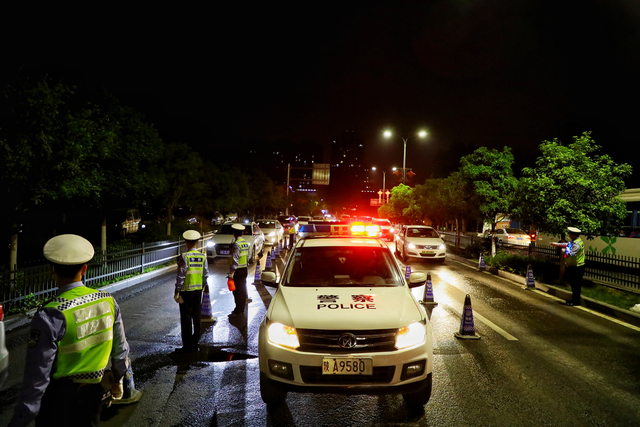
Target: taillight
1	313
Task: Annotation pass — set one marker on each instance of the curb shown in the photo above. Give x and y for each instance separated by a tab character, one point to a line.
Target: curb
595	305
16	321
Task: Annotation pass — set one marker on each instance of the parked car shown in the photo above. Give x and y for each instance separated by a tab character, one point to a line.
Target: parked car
272	229
386	229
420	241
217	219
512	236
123	221
287	222
220	244
4	353
304	219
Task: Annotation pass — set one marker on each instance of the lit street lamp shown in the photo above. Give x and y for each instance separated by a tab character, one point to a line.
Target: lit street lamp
421	134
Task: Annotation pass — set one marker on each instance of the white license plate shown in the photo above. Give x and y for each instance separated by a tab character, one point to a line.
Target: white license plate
224	252
428	252
519	238
347	366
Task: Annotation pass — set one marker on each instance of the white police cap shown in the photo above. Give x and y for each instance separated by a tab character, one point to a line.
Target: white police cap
68	249
574	230
191	235
238	227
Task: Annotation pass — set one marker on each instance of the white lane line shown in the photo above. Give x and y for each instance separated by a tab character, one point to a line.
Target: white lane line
553	297
174	332
489	323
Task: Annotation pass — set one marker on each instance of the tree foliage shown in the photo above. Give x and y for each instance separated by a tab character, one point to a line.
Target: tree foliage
571	185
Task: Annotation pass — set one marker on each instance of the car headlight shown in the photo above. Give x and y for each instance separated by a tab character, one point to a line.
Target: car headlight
273	233
410	335
283	335
211	244
442	247
412	246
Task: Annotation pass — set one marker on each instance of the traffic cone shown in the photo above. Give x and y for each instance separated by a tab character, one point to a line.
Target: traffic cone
205	313
427	299
273	256
276	250
256	278
481	264
531	282
130	394
467	328
268	264
407	274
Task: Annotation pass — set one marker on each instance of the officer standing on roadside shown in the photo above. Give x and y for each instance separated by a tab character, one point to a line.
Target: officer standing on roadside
72	338
193	272
575	260
238	262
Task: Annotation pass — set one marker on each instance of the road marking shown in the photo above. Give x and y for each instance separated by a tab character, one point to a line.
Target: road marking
487	322
174	332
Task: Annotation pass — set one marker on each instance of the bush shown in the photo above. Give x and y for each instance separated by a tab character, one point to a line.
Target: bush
543	269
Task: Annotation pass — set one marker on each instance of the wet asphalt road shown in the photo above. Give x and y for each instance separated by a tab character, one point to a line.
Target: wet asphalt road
538	363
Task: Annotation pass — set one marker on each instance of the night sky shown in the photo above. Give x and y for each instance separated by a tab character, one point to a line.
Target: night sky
471	73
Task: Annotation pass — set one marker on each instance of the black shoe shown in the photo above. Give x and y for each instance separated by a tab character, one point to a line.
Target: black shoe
568	304
249	300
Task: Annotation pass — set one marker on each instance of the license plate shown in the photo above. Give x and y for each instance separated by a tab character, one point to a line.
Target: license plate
347	366
519	238
428	252
224	252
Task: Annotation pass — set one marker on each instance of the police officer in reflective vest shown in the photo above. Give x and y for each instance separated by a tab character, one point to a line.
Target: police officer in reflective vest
72	339
574	261
193	272
238	269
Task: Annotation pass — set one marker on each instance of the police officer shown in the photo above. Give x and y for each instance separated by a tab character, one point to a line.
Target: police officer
193	272
72	338
238	269
574	261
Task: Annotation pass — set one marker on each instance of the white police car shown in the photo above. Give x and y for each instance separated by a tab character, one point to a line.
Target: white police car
343	320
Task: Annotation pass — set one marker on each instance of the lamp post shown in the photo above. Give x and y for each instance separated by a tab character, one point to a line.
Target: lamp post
388	134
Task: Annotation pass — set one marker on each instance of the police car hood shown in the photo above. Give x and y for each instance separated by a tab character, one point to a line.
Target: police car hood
345	307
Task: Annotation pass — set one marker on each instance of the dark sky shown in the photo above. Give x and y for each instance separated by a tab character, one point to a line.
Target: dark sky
471	72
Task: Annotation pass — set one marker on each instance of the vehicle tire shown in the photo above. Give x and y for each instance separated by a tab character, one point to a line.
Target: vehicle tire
420	398
252	257
270	394
405	258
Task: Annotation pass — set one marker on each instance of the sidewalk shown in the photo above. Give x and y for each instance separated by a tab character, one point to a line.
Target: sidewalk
601	307
16	321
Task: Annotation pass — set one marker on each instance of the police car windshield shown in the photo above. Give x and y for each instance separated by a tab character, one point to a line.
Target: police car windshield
333	266
227	229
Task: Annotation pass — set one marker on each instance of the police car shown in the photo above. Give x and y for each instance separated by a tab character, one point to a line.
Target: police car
343	320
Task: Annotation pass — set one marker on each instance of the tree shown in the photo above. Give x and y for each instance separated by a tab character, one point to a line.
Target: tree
489	171
573	186
401	199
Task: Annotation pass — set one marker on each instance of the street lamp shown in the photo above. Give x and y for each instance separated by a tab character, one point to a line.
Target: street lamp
384	191
420	134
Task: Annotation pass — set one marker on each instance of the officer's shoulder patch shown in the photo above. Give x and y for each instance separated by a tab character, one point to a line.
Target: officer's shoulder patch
34	336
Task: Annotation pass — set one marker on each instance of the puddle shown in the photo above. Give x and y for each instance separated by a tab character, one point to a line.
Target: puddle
212	355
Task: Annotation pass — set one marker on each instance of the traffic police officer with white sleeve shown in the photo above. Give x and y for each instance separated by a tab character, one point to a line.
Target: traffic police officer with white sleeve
575	262
193	272
238	262
72	339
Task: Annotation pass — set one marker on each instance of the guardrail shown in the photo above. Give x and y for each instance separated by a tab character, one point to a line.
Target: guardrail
622	272
18	286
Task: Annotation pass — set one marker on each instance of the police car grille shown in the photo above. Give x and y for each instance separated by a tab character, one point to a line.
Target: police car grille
427	246
317	340
313	375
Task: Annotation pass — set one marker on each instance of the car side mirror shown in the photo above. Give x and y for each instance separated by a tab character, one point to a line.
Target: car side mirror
417	279
268	278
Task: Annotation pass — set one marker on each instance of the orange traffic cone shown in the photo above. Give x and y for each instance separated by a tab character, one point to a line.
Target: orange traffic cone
467	328
205	313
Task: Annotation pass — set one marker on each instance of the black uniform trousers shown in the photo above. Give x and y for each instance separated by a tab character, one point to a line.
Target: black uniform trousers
70	404
575	274
190	311
240	294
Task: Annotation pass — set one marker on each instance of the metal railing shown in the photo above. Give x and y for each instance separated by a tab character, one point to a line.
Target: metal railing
17	286
622	272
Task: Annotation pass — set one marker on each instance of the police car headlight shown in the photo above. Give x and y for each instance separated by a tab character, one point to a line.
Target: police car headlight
211	244
412	246
283	335
273	233
410	335
442	247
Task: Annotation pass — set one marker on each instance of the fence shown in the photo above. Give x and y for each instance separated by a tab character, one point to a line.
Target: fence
35	282
622	272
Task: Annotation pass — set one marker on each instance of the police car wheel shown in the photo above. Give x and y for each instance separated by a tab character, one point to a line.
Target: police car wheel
421	397
252	257
270	394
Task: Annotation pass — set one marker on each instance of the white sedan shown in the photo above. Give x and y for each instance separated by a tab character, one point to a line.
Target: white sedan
512	236
220	244
420	241
4	354
272	229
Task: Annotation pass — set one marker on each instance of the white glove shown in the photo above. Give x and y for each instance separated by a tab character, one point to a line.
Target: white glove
117	391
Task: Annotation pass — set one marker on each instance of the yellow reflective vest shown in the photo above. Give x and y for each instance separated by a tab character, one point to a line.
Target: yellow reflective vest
84	350
193	281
